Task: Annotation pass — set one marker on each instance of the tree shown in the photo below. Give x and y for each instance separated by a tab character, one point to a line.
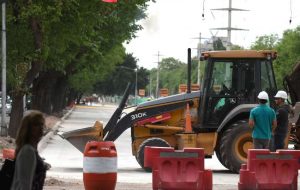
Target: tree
116	81
237	47
287	48
172	73
218	45
143	77
60	40
266	42
170	63
26	21
288	54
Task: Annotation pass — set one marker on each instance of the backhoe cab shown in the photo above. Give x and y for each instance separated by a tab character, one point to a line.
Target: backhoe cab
219	111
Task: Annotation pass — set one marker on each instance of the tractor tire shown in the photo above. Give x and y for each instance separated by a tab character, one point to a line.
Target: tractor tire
218	154
234	145
149	142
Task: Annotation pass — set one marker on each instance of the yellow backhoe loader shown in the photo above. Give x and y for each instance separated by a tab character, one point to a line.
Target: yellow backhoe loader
219	111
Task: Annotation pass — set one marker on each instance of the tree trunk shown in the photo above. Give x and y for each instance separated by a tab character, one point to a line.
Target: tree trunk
16	114
59	95
36	65
71	96
45	90
42	90
78	97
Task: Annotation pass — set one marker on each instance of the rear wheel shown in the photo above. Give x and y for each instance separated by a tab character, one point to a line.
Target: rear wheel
149	142
234	145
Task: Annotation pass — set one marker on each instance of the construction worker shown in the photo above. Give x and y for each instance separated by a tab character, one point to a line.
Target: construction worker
263	121
282	115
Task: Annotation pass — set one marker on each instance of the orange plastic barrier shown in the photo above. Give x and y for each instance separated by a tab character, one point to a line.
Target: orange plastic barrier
270	170
8	153
294	153
151	152
100	166
179	170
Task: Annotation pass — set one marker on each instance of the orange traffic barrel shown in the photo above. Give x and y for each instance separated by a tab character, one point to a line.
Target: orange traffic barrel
8	153
100	165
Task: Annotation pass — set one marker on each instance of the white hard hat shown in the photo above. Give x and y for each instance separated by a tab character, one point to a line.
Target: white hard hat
263	95
281	94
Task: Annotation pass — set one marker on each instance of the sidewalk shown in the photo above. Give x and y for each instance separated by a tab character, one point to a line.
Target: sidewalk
43	142
78	185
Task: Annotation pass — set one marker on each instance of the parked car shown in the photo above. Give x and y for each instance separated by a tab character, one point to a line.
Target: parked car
8	105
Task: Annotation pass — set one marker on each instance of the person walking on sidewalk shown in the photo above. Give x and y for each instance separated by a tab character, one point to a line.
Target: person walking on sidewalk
263	121
30	169
282	115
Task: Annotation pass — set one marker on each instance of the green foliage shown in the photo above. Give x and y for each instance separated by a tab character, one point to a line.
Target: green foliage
288	51
170	64
90	74
117	80
172	73
76	36
218	45
266	42
143	77
288	54
237	47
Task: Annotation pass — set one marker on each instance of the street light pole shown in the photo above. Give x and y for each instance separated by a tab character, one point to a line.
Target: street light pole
3	122
157	75
136	87
150	88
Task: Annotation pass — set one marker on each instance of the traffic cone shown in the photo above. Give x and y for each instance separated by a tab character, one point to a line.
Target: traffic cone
8	153
188	120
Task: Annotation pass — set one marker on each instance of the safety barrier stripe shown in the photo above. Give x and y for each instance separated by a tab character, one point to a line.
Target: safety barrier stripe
100	165
274	156
179	154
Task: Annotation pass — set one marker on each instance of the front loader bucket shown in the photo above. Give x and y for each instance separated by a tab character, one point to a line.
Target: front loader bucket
80	137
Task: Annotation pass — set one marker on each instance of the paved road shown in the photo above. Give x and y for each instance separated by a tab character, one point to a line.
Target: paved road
66	160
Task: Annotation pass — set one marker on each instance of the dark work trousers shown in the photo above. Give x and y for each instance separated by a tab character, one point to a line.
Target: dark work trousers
261	143
272	144
279	141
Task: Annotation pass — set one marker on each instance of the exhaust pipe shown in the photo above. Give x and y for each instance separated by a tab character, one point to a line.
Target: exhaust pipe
189	68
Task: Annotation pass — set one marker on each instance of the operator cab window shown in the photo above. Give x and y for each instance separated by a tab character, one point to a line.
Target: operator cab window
267	80
221	89
221	83
267	77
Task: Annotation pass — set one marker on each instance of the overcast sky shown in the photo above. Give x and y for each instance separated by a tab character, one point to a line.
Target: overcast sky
171	25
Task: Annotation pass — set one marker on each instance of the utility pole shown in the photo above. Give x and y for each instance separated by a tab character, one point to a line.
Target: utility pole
229	28
157	75
198	57
136	85
150	88
3	101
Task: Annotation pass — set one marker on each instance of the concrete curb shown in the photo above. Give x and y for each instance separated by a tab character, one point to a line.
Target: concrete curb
44	141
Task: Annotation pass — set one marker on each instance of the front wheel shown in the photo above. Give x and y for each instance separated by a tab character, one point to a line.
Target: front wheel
149	142
234	145
218	154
